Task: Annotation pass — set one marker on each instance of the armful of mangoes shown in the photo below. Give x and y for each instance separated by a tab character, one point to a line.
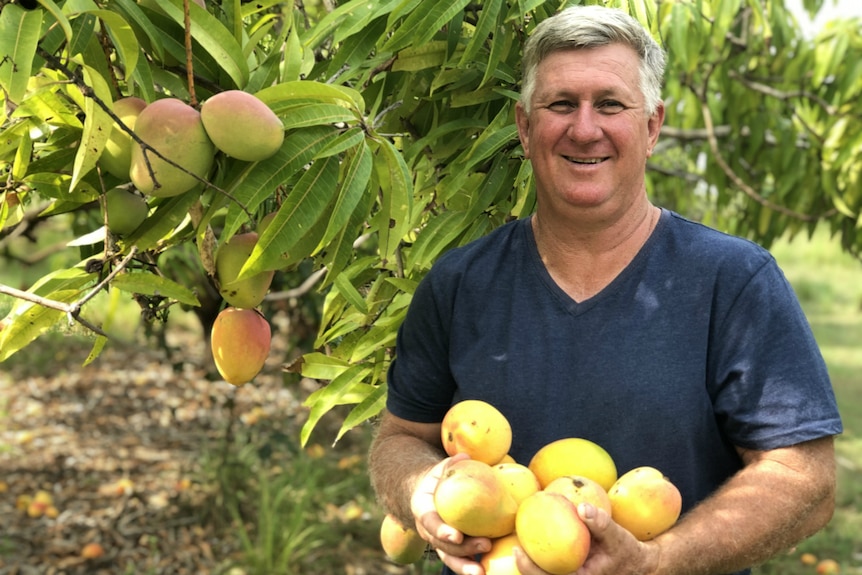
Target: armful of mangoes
534	505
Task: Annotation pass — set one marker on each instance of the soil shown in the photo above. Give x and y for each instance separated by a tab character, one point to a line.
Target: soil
115	447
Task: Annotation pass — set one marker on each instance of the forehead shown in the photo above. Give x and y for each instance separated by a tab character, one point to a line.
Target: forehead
611	67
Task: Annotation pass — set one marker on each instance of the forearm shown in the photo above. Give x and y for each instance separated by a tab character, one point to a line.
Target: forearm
765	509
396	462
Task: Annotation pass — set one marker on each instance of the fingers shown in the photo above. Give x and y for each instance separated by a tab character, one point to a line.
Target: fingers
454	549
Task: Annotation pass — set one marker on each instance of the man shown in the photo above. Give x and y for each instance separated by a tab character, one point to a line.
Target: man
605	317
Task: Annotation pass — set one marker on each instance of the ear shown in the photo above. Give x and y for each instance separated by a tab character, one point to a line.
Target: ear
654	124
522	120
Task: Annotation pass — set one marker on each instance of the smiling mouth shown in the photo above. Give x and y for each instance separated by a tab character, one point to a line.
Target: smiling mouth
585	161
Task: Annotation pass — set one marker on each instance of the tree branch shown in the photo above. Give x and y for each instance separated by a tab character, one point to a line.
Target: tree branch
780	95
72	310
740	183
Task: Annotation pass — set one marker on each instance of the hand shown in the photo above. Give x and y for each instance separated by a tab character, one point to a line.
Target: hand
613	550
455	549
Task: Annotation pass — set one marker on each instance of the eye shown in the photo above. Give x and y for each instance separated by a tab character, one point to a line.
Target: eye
611	106
561	106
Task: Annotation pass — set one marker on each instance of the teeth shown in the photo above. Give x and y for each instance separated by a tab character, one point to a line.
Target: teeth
585	161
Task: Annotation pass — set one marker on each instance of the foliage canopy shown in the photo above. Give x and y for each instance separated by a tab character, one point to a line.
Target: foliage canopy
400	144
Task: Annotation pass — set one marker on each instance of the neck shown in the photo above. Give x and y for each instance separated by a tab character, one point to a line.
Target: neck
585	254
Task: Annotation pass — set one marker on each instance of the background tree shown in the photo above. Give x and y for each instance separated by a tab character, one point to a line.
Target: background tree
400	144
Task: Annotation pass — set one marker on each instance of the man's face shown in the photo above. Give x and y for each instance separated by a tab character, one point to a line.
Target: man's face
587	133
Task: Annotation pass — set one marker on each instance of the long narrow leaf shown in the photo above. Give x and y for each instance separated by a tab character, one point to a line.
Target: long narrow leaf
217	40
97	127
19	35
352	186
304	206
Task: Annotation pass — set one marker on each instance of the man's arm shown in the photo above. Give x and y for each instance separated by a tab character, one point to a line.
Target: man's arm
406	460
401	453
778	499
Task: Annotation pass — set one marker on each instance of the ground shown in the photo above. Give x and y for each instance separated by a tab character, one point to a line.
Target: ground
116	446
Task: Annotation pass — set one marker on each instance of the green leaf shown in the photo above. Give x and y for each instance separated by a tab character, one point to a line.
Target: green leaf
59	16
353	184
19	36
151	284
169	213
421	57
213	37
305	115
423	23
490	19
260	180
350	293
316	365
338	392
137	19
123	37
304	206
396	205
284	96
97	127
369	407
27	320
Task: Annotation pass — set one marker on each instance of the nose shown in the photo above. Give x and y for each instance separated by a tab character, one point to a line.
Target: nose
584	124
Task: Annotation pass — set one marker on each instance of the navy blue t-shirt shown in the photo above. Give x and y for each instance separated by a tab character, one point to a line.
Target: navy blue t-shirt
698	345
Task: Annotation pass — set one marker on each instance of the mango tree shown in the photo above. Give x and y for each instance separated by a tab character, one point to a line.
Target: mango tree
399	143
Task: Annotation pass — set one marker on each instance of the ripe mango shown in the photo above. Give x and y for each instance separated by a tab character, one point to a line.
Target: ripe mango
242	126
518	480
551	533
240	340
477	428
574	456
471	498
645	502
174	129
500	560
125	210
401	544
116	158
580	489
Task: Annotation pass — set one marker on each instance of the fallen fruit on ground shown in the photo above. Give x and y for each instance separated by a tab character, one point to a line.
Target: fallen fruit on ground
125	210
92	551
551	533
230	257
574	456
827	567
240	342
175	130
500	560
477	428
401	544
808	559
242	126
579	489
116	157
645	502
518	480
471	498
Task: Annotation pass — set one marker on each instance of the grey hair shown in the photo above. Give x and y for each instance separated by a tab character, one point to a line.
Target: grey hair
582	27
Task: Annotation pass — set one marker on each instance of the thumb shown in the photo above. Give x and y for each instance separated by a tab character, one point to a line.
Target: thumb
595	518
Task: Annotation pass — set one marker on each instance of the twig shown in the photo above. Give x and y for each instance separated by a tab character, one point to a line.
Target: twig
303	288
190	76
734	177
72	310
781	95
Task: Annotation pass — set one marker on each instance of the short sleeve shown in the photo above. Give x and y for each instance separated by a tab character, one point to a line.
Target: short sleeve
420	382
770	387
